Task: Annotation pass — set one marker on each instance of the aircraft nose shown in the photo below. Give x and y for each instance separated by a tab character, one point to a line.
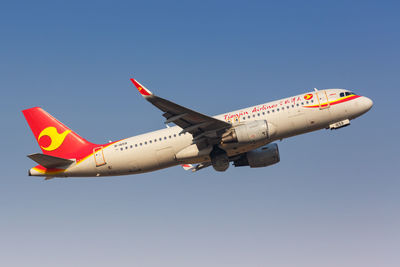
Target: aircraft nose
368	103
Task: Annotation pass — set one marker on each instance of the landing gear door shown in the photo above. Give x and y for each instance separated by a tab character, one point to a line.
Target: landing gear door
99	156
323	99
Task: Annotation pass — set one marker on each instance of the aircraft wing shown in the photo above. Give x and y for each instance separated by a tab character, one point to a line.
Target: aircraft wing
198	124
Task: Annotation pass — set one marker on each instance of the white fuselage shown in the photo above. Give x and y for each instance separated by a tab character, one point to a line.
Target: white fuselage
158	149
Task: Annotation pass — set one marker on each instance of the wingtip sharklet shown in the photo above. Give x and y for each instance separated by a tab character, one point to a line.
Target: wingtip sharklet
142	90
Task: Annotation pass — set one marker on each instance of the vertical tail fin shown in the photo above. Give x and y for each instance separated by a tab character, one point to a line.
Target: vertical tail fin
54	138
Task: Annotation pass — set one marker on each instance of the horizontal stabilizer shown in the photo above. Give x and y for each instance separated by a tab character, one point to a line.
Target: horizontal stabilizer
50	161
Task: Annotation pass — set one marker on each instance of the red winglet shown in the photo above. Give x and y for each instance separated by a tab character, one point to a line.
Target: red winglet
143	90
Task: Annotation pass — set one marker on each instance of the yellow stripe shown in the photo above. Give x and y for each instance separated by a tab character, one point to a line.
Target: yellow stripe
88	156
47	172
326	103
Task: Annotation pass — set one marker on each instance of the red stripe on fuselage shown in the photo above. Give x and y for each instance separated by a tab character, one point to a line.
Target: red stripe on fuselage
341	100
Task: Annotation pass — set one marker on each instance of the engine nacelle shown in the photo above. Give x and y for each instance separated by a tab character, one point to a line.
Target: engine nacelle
250	132
260	157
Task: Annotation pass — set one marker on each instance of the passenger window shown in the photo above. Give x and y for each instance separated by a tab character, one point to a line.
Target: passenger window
141	144
155	140
268	111
122	149
174	135
277	109
263	113
258	114
273	110
131	146
165	138
160	138
150	141
297	104
145	143
135	145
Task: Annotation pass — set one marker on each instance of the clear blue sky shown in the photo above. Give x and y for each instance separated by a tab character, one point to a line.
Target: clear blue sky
333	200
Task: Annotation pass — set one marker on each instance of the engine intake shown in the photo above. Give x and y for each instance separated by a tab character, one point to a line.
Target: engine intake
260	157
250	132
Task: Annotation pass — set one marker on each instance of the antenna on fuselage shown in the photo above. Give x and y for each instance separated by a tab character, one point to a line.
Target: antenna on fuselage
315	89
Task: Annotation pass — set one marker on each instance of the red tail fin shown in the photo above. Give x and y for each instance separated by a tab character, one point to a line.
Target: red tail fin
54	138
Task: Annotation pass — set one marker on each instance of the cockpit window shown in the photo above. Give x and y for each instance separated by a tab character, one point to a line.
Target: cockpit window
342	94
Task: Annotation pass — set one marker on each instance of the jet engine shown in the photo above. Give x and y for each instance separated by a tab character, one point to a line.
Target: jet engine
260	157
219	159
249	132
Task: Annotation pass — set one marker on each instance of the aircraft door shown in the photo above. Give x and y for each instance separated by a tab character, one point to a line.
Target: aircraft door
322	99
318	118
99	156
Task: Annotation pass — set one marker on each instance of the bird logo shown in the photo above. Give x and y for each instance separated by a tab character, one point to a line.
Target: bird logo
308	96
56	139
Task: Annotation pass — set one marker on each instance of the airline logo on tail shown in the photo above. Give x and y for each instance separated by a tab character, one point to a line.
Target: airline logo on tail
56	139
143	90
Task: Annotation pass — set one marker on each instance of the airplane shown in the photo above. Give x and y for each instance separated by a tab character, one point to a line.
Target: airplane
244	137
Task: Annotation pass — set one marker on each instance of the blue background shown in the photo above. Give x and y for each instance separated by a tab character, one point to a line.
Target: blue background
333	200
